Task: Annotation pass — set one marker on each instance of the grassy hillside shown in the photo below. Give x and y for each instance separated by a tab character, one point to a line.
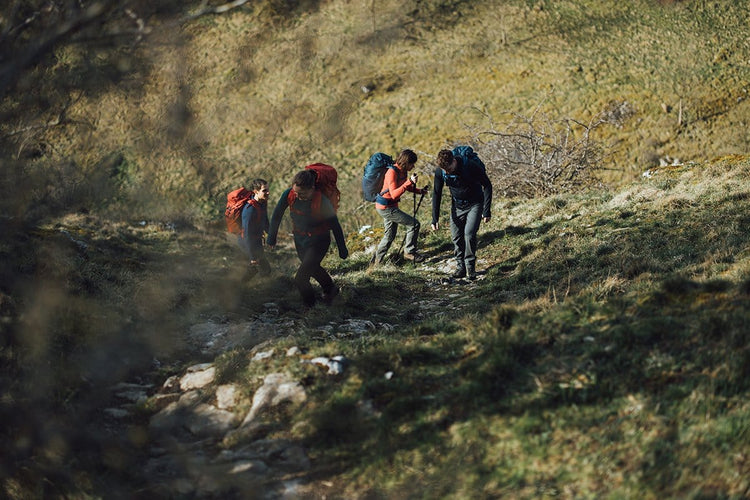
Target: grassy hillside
604	352
267	88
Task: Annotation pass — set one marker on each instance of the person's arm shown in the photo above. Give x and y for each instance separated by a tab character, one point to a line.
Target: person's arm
437	194
278	214
487	192
265	222
390	182
338	234
328	214
248	215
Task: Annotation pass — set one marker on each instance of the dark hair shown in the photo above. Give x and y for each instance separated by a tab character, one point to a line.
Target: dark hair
304	179
256	184
406	156
445	160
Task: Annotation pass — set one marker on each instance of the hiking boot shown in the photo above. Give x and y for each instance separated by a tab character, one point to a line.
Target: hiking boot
331	294
459	273
471	272
414	257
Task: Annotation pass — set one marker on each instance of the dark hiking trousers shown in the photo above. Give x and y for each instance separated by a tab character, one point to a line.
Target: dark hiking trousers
464	227
311	250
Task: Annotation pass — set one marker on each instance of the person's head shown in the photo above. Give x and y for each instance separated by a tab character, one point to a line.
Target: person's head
260	189
447	161
304	184
406	159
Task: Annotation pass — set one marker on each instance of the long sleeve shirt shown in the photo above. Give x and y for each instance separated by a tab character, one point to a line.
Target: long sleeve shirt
307	223
254	224
469	186
395	184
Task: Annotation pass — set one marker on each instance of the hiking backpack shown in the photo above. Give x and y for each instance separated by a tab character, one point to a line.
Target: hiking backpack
235	203
372	180
468	155
325	183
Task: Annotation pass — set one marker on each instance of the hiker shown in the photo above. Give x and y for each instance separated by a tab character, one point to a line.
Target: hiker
254	225
471	199
395	183
313	219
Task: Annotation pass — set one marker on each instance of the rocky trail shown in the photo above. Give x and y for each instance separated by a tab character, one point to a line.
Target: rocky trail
192	437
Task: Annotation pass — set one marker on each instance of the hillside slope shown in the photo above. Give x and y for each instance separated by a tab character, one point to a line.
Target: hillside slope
603	352
267	88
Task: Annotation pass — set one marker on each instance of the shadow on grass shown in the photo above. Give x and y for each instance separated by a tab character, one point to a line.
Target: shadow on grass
441	380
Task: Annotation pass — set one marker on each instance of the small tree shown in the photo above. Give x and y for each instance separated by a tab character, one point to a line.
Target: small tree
539	156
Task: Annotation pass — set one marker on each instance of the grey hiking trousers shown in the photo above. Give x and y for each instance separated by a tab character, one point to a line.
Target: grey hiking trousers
392	217
464	227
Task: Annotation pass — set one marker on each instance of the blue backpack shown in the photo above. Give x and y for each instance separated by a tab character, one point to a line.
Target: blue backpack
372	180
468	155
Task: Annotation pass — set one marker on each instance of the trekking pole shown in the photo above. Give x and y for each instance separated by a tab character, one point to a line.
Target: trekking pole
416	209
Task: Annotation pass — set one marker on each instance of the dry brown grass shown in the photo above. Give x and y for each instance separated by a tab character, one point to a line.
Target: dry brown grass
261	92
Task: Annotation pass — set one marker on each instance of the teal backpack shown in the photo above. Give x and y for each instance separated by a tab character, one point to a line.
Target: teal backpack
468	155
372	180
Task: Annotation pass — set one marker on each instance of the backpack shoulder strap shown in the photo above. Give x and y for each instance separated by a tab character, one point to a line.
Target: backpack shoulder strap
314	205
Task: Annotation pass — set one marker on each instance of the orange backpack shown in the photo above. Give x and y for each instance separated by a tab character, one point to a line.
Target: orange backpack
236	201
325	182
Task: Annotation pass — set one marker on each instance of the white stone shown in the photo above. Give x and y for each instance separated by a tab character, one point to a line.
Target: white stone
197	379
226	396
276	389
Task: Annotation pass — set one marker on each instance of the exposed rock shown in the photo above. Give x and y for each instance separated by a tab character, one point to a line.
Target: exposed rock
206	420
161	401
215	338
226	396
172	384
263	355
276	389
334	365
172	417
293	351
198	376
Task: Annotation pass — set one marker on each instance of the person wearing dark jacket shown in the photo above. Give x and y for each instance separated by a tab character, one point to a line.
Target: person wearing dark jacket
471	199
313	219
254	226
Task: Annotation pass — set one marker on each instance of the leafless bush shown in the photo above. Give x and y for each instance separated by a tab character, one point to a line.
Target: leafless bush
538	156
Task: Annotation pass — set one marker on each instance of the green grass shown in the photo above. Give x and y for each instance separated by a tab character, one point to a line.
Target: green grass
605	353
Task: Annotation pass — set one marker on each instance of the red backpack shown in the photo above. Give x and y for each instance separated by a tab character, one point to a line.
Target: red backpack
325	183
235	203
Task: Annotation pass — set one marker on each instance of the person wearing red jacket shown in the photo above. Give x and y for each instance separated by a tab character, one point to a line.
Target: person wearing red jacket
396	182
313	221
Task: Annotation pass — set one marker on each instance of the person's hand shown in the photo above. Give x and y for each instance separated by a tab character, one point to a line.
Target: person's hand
423	190
253	262
434	226
414	178
485	219
343	253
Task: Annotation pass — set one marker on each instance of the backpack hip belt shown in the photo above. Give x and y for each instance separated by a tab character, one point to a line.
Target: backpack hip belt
316	232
